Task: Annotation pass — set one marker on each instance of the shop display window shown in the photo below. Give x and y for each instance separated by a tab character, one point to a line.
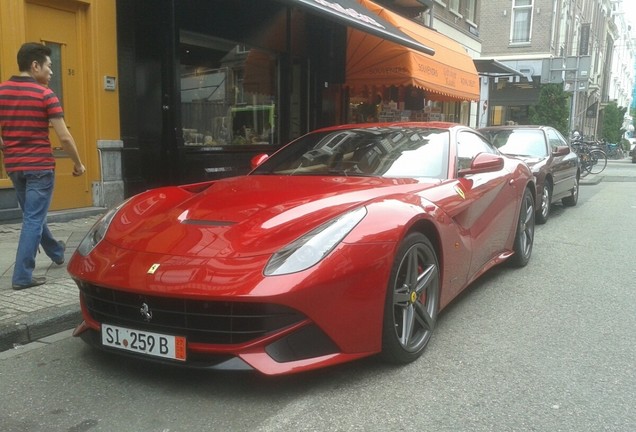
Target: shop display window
227	92
395	104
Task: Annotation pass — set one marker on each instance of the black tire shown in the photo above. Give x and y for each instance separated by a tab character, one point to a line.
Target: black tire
570	201
524	237
544	210
412	300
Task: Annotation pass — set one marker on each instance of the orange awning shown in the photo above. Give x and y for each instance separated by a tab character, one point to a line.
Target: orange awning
372	61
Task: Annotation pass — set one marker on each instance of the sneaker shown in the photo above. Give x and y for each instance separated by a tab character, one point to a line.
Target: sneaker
61	262
36	281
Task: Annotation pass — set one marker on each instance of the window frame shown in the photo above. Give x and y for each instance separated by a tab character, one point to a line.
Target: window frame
471	11
454	6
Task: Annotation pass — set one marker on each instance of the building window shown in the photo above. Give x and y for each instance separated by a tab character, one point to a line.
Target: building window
56	67
453	5
471	15
521	21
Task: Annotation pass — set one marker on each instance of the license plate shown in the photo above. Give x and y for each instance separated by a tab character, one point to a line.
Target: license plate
143	342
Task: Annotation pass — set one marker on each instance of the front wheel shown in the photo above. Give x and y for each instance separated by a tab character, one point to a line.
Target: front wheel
599	159
412	300
544	211
524	236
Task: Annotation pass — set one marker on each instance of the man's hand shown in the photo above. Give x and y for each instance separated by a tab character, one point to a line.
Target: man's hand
78	170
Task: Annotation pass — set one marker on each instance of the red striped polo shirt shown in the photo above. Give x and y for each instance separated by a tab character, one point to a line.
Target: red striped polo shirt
25	109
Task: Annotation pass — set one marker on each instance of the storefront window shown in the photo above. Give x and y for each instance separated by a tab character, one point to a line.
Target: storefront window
407	103
228	93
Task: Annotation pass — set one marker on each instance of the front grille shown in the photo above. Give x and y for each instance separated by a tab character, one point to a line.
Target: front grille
211	322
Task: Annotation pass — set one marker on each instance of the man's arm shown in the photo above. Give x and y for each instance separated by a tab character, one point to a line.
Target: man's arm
68	144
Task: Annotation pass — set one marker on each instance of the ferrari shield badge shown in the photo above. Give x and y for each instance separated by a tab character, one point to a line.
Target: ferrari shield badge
153	268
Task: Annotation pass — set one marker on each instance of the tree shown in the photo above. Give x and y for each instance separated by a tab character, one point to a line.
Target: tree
612	122
552	109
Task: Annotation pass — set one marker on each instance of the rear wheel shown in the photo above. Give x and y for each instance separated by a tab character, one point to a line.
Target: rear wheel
412	300
571	200
524	237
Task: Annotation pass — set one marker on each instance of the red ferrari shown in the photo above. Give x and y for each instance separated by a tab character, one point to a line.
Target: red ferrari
345	243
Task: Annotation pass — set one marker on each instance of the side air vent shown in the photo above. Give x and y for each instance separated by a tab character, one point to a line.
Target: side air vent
208	222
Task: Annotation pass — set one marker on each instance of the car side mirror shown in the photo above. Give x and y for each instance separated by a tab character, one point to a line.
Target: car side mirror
484	162
561	151
258	159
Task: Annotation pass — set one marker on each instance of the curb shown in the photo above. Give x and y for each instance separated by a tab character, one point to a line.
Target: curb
38	325
61	215
591	180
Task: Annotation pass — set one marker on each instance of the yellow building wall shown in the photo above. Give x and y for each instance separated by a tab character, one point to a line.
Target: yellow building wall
97	28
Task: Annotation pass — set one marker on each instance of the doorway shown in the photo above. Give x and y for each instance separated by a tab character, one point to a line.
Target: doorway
60	30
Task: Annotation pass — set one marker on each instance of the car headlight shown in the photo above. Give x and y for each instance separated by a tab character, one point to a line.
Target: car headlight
97	232
309	249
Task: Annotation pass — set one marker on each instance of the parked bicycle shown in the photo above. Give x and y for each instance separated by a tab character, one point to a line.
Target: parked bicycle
593	160
614	151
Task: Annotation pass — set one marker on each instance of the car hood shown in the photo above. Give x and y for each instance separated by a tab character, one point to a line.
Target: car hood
244	216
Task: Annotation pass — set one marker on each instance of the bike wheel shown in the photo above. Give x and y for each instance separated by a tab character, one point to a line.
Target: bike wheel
599	159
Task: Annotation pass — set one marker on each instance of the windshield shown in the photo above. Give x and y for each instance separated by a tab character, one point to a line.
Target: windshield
379	151
530	143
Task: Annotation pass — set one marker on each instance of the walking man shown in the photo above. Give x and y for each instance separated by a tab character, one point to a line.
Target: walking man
27	106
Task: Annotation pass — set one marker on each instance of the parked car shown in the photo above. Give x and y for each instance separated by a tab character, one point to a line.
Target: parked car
345	243
554	164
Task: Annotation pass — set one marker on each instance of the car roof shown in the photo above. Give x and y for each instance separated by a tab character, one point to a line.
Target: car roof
510	127
433	125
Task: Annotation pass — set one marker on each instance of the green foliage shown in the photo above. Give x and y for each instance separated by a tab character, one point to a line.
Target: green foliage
552	109
612	122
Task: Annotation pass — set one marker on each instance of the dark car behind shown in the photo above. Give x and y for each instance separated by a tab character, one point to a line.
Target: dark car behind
554	164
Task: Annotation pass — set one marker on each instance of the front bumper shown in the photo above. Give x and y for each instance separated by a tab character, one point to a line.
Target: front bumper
275	325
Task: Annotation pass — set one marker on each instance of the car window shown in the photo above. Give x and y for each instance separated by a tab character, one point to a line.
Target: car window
555	139
378	151
470	145
520	142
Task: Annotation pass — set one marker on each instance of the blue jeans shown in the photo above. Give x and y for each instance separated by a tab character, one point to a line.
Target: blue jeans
34	190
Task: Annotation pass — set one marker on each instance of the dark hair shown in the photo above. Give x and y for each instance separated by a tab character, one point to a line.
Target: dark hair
30	52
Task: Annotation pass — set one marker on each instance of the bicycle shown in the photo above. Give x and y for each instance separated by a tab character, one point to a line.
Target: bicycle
593	160
614	151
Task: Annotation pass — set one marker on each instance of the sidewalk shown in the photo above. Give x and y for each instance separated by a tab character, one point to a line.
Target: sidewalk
30	314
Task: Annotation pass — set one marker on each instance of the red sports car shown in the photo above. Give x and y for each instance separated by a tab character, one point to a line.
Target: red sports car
345	243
